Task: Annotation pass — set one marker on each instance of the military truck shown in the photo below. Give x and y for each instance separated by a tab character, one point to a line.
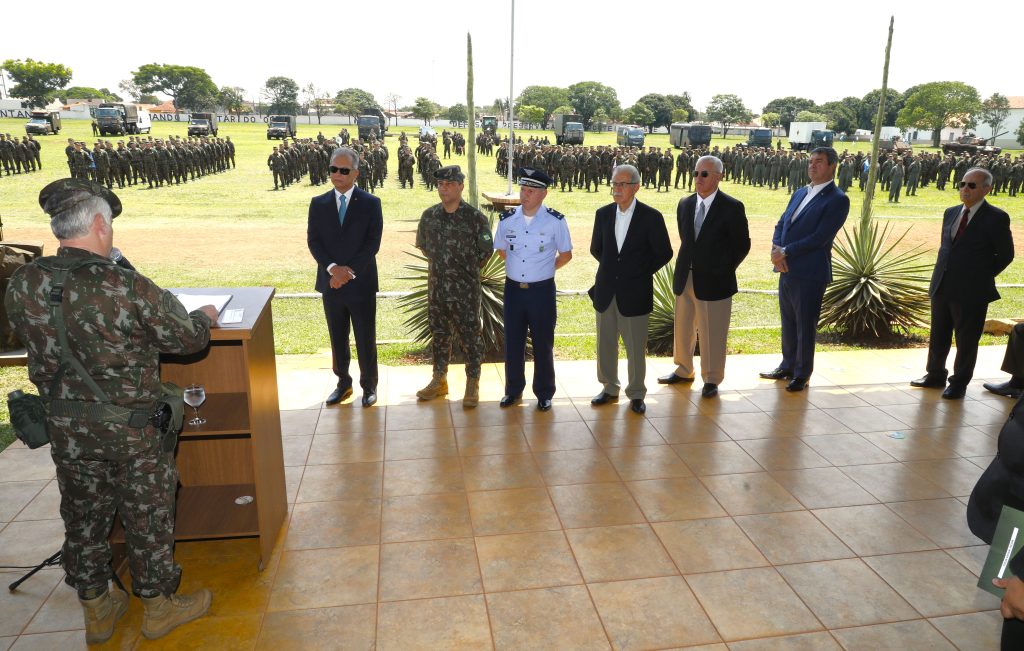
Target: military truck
43	123
971	144
369	126
689	135
121	119
568	128
809	135
629	135
202	124
759	137
895	144
489	124
280	126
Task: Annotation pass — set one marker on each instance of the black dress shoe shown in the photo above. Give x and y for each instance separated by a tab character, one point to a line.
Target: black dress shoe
338	395
1005	389
603	399
369	398
637	405
928	382
954	392
778	374
508	401
544	405
710	390
672	378
797	384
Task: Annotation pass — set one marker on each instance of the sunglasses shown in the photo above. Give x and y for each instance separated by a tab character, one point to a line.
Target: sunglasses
622	184
970	184
702	174
344	171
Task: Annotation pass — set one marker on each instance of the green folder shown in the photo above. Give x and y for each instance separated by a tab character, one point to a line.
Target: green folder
1007	541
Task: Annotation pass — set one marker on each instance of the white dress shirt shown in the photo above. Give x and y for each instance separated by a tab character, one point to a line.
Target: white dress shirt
812	192
622	220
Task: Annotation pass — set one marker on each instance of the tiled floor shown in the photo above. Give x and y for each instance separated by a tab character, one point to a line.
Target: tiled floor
758	520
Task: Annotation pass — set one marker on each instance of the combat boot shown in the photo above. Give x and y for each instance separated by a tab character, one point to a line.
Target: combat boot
472	397
163	614
101	613
437	387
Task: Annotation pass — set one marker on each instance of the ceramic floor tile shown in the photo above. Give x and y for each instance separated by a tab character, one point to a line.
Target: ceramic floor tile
973	631
320	629
804	642
423	476
420	444
296	449
725	403
783	454
551	618
21	606
526	560
629	432
818	488
751	603
921	415
488	414
562	411
615	410
809	422
575	466
500	439
976	412
512	511
429	415
15	495
320	578
351	420
6	642
796	537
846	593
238	585
647	462
341	523
678	498
22	464
22	543
446	623
750	425
235	633
671	402
917	635
933	583
943	521
892	482
888	533
697	428
617	553
299	422
292	481
434	568
595	505
910	445
63	640
847	449
546	437
881	395
776	399
498	471
44	506
425	517
965	440
956	476
710	545
62	612
348	481
972	557
834	397
717	458
750	493
652	613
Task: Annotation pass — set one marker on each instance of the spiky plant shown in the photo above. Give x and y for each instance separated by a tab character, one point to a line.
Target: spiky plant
662	319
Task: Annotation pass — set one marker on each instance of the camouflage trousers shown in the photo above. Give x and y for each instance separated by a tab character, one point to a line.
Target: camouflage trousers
141	488
459	320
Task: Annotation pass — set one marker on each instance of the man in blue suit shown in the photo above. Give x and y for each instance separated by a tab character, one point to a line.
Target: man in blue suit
802	255
343	234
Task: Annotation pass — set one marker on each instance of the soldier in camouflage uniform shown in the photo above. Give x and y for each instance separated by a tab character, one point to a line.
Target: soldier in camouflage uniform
456	239
101	411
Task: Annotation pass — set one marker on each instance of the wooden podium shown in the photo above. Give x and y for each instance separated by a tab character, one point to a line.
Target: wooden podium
237	454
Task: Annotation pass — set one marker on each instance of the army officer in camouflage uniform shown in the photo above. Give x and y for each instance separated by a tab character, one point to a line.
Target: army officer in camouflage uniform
456	239
101	417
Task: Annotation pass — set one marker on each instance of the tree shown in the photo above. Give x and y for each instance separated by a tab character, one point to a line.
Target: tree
130	88
499	107
588	96
547	97
994	112
642	115
787	108
457	114
565	108
839	117
36	81
810	116
727	109
680	115
352	101
1020	133
187	86
940	104
283	95
531	114
869	108
317	99
663	106
770	119
85	92
392	100
232	98
600	119
425	110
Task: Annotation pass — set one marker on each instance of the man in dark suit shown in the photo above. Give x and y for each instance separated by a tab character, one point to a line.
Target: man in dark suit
631	243
802	255
976	245
343	234
714	240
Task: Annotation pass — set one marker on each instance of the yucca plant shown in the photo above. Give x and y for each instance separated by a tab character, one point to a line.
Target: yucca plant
662	319
875	291
492	278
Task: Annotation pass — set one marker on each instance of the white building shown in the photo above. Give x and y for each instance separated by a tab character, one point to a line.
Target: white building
1008	139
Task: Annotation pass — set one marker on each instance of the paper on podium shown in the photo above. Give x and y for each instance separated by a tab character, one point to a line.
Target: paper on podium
196	301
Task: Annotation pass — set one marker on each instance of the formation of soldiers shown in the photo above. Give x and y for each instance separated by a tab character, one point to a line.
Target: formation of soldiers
157	162
905	172
17	156
289	162
454	139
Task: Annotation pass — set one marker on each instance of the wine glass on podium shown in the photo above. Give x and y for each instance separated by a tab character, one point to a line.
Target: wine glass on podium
195	395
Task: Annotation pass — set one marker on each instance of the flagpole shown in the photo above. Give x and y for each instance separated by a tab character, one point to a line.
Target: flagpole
511	114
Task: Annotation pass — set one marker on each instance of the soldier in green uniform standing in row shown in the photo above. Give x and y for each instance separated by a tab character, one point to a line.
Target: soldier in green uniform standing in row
94	331
456	240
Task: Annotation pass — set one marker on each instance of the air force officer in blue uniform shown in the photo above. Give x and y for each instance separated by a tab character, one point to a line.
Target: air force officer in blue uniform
802	254
534	241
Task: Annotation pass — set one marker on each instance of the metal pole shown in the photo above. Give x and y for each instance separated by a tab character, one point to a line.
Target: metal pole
511	113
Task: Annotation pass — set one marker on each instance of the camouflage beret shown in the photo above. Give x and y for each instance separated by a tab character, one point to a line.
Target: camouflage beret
64	194
450	173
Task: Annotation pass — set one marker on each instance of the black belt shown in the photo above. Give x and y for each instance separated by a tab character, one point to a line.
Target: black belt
538	283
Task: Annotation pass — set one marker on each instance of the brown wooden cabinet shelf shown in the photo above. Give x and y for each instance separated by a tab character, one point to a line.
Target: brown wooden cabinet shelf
205	512
225	413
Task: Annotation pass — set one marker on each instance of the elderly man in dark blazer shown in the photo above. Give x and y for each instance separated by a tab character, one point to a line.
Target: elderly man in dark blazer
976	245
714	240
343	234
802	254
630	243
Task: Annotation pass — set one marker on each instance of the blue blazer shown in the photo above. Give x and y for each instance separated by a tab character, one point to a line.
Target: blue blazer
355	244
808	240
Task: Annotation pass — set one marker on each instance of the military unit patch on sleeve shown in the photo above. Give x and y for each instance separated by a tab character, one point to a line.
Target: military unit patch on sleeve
173	306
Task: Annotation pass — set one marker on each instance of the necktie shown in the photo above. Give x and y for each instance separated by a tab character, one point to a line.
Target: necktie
698	221
342	207
963	224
